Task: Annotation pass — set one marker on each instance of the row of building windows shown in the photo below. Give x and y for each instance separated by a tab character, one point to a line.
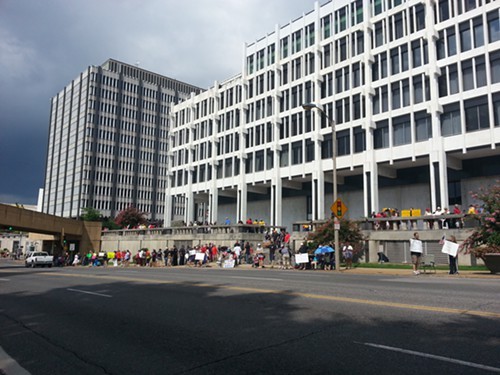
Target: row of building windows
467	35
446	9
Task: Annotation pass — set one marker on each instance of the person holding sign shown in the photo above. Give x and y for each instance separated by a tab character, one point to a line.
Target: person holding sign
416	252
451	248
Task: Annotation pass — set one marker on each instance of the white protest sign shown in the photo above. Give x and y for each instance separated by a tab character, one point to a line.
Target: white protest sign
192	252
229	263
450	248
199	256
301	258
415	245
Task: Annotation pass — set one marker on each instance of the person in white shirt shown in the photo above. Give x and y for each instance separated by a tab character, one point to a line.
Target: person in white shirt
237	253
416	252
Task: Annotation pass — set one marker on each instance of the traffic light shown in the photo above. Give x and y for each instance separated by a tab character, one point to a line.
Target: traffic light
10	229
339	208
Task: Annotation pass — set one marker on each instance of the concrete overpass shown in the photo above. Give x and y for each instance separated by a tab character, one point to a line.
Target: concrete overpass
85	235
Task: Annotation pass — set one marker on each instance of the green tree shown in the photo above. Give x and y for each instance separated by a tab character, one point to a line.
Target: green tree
487	238
325	234
91	214
130	217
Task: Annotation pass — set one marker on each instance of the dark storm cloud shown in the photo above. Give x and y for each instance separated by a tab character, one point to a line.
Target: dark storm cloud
45	44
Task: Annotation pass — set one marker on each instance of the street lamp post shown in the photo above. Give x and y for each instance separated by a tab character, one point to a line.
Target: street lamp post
309	107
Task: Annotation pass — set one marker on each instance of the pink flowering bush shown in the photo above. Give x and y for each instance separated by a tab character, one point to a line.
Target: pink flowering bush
486	239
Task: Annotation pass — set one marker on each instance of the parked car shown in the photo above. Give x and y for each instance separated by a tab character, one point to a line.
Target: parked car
39	258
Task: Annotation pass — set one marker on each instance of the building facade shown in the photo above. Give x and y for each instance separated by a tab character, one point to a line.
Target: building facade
107	145
411	87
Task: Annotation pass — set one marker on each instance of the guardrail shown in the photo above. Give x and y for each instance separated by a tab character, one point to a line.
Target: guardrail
194	230
427	222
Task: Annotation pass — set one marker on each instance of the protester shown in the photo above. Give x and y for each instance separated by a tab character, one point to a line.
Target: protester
453	259
416	252
348	253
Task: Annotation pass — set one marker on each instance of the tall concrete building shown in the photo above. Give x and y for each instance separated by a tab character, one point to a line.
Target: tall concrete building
412	88
107	144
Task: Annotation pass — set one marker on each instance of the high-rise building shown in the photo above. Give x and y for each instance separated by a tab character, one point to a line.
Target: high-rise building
107	146
411	87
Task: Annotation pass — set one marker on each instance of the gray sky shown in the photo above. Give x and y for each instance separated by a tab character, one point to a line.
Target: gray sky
45	44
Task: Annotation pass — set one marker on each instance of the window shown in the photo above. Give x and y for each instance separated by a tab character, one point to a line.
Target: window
444	10
478	29
394	61
296	153
356	106
228	167
401	130
343	143
259	161
476	114
396	95
440	46
496	108
309	150
406	92
326	147
450	120
451	41
467	75
495	66
359	139
248	163
453	78
465	37
493	26
381	135
284	156
423	126
326	23
379	33
270	159
480	71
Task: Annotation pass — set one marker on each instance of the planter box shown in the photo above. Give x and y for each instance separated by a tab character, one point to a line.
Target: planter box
492	262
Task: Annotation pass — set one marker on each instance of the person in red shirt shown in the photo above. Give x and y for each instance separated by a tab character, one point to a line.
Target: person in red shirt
214	252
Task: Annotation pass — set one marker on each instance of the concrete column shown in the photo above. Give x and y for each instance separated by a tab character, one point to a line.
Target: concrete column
167	215
189	205
276	202
443	180
432	183
242	202
373	248
213	204
367	205
374	187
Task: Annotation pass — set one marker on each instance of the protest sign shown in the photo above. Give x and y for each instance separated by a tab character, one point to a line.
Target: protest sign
301	258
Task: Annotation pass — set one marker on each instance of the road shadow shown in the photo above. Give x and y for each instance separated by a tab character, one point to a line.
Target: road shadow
160	327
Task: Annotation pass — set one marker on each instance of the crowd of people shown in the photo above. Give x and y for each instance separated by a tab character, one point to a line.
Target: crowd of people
391	218
277	250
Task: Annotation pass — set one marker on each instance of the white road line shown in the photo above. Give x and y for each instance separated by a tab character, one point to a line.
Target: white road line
254	278
4	279
94	294
9	366
432	356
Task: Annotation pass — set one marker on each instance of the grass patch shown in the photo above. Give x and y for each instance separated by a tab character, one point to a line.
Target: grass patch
409	266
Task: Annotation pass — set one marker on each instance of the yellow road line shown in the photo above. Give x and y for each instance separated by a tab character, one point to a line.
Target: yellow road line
294	294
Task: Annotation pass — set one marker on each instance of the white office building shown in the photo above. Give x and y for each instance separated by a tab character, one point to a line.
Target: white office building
413	91
107	146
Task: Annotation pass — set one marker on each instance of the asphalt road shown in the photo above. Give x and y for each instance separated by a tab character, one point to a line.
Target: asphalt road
245	321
